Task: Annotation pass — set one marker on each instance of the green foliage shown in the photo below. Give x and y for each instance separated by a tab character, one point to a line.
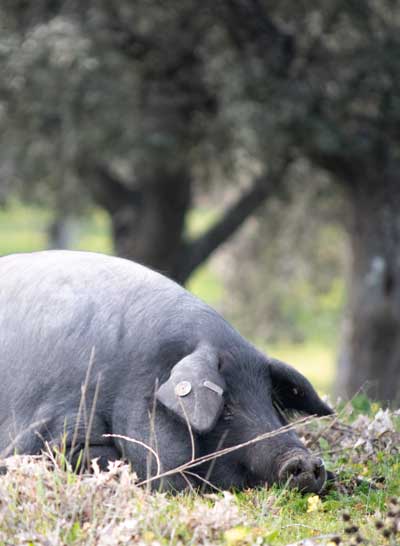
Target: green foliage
362	404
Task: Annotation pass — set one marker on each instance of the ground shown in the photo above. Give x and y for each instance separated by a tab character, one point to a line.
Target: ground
42	503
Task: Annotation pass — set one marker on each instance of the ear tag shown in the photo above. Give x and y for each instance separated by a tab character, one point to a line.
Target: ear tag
183	388
193	392
213	387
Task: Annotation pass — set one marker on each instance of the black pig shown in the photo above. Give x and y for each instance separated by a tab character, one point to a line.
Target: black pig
94	345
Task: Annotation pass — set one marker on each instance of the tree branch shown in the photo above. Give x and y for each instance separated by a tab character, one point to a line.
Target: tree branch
131	43
248	25
107	189
199	250
342	168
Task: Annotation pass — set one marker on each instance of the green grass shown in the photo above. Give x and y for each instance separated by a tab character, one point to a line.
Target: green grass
44	504
23	229
206	285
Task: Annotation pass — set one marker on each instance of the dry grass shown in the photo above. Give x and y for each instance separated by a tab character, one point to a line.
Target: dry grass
41	503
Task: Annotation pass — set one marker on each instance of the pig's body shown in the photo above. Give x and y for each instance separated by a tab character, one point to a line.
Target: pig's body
126	333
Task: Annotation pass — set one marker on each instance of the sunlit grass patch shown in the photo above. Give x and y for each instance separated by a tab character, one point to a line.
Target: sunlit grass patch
24	228
95	233
199	220
206	285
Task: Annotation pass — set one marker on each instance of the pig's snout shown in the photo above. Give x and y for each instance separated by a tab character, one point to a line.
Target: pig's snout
303	472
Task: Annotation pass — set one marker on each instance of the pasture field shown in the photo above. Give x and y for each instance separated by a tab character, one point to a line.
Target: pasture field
42	503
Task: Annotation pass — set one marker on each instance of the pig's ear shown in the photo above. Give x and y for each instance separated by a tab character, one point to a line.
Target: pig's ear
194	390
292	392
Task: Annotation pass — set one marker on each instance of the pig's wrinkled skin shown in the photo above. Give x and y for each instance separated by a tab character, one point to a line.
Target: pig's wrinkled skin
147	339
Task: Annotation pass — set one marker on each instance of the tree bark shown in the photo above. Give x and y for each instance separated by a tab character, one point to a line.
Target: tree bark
196	252
147	220
371	344
59	232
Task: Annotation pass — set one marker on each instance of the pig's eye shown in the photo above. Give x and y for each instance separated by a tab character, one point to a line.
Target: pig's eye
228	413
297	392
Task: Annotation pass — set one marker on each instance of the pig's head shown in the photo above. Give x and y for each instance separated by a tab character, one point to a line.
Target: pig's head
229	399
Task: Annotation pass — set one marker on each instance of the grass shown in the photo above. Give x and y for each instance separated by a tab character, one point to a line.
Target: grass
42	504
24	229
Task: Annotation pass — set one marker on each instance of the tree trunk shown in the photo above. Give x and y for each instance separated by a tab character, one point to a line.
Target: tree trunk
149	229
147	219
371	350
59	232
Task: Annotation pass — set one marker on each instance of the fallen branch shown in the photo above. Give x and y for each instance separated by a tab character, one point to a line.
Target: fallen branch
216	454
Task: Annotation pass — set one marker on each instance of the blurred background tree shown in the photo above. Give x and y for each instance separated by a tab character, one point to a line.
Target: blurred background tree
285	113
